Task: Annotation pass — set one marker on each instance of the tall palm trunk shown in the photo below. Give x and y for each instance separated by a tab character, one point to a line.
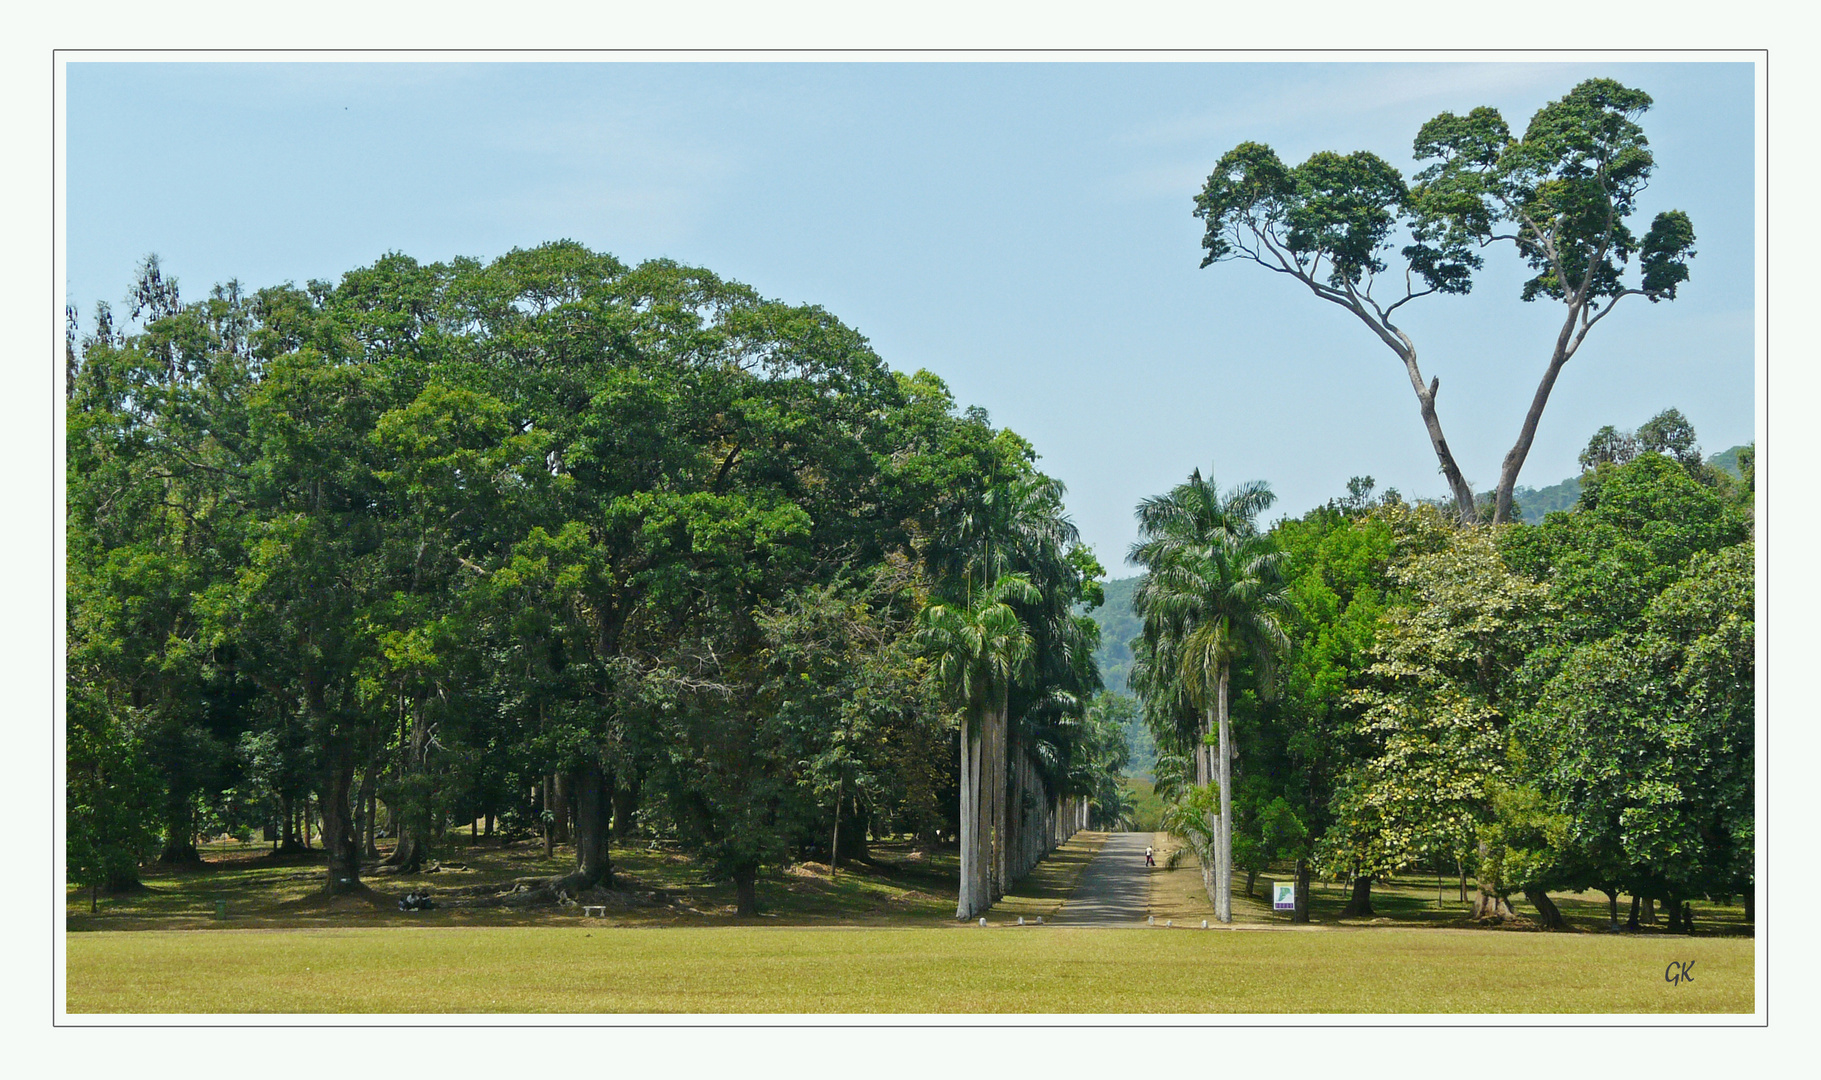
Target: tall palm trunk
966	834
1223	837
1002	817
995	778
989	812
982	880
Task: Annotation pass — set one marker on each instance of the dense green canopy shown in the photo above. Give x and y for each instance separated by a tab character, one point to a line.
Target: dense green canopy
577	547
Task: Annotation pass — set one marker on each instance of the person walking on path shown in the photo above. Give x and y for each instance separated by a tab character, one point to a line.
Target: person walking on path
1148	860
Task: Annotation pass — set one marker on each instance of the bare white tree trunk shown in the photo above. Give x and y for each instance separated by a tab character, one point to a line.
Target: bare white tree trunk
1223	895
984	816
967	835
1002	863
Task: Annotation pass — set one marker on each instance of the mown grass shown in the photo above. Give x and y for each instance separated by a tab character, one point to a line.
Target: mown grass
965	969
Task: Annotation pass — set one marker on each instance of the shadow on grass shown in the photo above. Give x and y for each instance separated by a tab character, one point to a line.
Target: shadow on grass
653	886
1409	901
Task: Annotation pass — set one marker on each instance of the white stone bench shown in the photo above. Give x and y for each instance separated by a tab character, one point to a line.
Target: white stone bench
599	910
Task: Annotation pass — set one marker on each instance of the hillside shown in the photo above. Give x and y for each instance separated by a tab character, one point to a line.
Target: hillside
1118	626
1534	503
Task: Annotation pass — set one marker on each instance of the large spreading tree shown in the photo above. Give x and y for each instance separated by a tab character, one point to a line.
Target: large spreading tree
1353	231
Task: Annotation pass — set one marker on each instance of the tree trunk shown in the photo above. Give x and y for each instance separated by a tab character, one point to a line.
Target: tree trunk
625	804
1565	345
834	842
966	835
371	843
1751	903
989	817
560	806
1251	879
1612	905
1014	810
1462	867
1547	913
1301	912
414	813
544	812
180	835
1223	905
1359	905
368	803
1632	923
1432	423
305	815
1650	911
746	890
338	825
1489	904
988	814
593	864
288	831
410	852
1000	809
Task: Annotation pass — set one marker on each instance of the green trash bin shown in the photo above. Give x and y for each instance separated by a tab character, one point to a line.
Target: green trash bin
221	909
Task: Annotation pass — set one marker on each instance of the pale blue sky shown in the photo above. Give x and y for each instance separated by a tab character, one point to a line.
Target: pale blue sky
1023	230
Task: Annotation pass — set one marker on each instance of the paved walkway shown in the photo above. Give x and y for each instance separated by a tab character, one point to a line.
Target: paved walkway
1115	889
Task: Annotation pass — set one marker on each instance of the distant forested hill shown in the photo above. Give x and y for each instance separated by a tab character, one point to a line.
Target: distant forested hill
1533	503
1536	502
1118	626
1727	460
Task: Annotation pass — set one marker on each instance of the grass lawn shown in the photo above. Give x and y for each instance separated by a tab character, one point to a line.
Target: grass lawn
1002	969
877	938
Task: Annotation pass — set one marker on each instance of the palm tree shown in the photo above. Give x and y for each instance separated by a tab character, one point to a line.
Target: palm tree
1014	526
979	649
1213	590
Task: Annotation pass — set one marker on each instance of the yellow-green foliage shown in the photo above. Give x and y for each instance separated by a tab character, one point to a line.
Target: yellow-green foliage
1148	812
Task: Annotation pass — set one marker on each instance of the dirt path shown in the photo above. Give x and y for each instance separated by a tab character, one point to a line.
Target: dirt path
1114	890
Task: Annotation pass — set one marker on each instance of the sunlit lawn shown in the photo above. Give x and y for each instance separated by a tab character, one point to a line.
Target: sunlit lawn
879	937
1003	969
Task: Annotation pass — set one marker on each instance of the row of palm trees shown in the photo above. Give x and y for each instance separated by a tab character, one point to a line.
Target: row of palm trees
1213	590
1016	660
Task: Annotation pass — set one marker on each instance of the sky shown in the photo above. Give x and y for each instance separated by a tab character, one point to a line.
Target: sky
1022	230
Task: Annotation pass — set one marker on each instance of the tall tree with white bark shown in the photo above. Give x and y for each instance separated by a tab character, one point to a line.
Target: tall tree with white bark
1561	195
1331	224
